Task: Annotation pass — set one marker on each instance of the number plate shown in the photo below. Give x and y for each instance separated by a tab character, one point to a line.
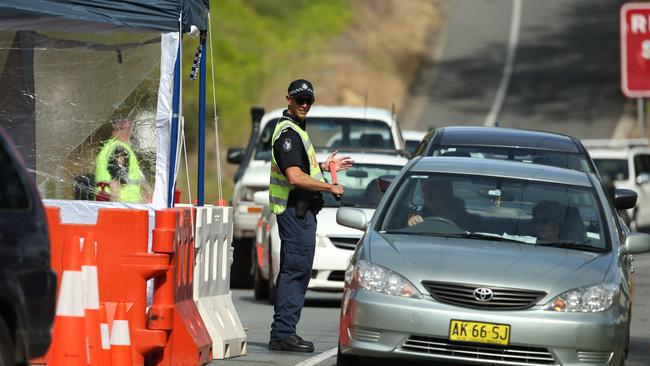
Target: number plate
468	331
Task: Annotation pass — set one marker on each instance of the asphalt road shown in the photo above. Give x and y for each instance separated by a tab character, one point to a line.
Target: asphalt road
550	65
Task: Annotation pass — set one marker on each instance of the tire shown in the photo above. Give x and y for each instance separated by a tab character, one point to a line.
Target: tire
7	347
260	285
346	360
240	271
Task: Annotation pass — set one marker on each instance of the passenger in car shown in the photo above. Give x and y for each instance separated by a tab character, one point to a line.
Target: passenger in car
439	201
548	217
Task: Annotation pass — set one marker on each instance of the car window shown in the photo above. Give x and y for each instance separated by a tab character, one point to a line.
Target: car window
641	164
411	145
361	183
616	169
12	192
514	209
545	157
335	133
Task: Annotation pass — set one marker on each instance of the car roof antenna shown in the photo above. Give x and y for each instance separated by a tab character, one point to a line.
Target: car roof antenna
496	123
365	104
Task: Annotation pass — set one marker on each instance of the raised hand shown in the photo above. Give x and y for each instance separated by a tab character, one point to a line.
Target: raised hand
341	162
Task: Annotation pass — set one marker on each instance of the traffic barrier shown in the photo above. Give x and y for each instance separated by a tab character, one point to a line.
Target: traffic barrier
214	230
91	300
124	265
121	353
68	347
172	332
105	334
189	342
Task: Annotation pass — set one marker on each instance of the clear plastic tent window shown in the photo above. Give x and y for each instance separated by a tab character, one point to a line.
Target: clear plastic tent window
61	95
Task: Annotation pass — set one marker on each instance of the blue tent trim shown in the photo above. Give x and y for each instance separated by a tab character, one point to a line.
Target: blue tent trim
103	15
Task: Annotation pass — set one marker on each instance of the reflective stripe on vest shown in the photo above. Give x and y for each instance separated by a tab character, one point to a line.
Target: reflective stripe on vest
129	192
279	186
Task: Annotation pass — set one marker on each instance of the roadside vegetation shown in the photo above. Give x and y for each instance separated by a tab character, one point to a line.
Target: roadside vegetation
356	53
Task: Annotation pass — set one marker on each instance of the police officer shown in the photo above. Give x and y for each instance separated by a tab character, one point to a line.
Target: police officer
117	170
294	196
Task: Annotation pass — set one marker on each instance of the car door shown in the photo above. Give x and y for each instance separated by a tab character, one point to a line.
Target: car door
642	184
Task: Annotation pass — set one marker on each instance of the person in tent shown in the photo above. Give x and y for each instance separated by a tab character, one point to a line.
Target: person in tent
117	169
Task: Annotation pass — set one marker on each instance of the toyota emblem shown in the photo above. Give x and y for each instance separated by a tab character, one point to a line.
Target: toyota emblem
483	294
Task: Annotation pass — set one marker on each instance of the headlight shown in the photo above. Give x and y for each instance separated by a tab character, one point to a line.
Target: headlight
247	193
588	299
375	278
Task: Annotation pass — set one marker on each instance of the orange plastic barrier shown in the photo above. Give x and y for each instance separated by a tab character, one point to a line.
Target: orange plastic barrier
190	342
123	266
172	333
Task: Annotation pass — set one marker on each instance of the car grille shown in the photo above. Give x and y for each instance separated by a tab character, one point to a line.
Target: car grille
344	243
463	295
516	355
338	276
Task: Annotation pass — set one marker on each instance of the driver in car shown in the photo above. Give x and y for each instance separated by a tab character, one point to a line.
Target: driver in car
440	203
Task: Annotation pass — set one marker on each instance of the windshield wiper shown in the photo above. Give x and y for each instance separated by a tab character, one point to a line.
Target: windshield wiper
423	233
487	236
571	245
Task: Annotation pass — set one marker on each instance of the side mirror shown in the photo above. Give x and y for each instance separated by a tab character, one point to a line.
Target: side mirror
385	181
352	217
624	198
643	178
261	198
637	243
235	155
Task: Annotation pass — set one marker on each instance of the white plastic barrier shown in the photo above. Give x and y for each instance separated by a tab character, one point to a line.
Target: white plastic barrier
214	256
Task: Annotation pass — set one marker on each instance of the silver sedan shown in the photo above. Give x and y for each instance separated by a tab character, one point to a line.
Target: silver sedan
490	262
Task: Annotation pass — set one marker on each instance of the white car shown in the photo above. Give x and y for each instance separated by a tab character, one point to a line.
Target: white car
626	163
329	128
334	243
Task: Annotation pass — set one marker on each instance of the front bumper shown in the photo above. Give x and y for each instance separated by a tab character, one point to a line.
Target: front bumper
245	220
328	270
379	325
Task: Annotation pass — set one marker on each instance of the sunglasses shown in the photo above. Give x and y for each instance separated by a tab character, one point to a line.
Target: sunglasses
304	100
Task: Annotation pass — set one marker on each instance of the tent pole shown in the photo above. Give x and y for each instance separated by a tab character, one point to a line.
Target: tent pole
201	167
174	127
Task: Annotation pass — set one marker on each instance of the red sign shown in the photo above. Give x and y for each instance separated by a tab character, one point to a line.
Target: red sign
635	50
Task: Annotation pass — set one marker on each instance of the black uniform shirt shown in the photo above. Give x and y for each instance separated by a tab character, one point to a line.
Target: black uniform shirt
289	151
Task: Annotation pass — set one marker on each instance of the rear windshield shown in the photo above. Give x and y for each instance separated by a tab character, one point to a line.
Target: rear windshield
615	169
335	133
545	157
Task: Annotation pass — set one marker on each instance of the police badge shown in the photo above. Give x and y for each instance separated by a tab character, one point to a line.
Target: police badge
286	145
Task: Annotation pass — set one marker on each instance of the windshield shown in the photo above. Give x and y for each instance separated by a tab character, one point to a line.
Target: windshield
545	157
615	169
361	184
473	206
335	133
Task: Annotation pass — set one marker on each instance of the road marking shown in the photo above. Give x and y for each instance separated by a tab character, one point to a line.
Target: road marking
318	358
500	97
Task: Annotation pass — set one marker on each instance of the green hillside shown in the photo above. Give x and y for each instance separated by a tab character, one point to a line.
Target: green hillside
253	41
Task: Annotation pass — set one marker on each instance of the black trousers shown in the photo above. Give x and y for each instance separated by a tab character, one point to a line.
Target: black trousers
298	243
